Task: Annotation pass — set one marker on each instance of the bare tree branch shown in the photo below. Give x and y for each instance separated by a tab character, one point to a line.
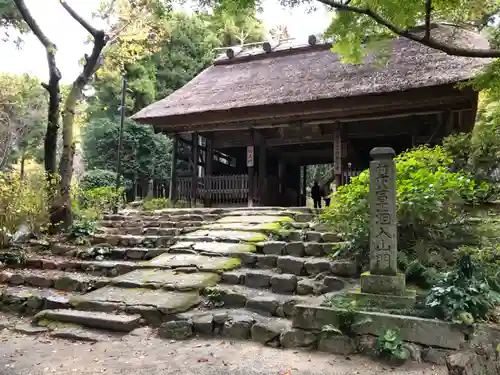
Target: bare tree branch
87	26
52	88
429	42
428	10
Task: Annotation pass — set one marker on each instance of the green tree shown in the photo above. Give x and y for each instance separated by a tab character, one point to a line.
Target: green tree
145	155
236	28
22	117
186	50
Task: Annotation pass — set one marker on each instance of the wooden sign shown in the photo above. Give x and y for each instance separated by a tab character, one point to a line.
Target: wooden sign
250	156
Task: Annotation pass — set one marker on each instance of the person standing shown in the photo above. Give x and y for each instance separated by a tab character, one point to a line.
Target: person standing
327	191
316	195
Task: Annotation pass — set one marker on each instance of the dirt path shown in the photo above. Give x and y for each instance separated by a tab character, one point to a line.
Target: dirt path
148	355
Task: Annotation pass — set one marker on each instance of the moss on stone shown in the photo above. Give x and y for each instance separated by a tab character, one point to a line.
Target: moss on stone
230	264
52	325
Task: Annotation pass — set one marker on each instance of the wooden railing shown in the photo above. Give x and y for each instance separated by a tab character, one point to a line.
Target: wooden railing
215	190
347	175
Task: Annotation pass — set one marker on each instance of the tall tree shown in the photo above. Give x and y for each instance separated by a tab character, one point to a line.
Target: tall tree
61	206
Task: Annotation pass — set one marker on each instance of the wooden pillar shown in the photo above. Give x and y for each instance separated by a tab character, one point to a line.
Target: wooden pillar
304	184
262	172
209	164
337	155
172	194
194	176
250	165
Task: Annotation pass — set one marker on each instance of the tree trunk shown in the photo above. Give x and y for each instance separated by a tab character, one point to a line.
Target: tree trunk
63	204
61	212
50	142
23	163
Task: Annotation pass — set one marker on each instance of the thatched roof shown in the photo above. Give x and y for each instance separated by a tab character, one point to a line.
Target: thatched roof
292	74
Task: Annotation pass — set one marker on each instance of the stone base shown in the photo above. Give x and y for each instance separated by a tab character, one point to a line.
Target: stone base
385	301
383	284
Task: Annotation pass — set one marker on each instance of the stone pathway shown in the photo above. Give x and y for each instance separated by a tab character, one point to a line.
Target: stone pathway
142	353
234	272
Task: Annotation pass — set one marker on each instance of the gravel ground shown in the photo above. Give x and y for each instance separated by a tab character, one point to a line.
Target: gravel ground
146	354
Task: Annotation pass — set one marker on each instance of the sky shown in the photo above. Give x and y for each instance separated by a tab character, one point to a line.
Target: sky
69	36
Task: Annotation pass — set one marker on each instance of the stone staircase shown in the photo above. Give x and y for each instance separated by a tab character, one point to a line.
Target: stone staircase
234	272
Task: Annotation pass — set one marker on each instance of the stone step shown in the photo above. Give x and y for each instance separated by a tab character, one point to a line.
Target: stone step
167	280
195	262
299	266
312	236
178	215
260	301
267	228
222	236
284	283
149	223
107	268
128	253
56	279
263	218
91	319
29	300
239	324
152	304
141	231
131	240
299	248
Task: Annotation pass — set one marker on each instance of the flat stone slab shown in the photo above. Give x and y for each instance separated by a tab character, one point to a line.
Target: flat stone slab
430	332
166	279
224	235
165	301
201	262
80	334
35	298
29	329
255	219
245	227
101	320
226	248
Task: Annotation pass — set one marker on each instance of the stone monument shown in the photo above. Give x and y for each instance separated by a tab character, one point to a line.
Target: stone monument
383	284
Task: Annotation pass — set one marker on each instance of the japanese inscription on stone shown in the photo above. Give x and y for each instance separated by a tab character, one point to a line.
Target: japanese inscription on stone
383	223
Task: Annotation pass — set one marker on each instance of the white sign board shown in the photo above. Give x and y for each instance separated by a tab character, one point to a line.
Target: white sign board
250	156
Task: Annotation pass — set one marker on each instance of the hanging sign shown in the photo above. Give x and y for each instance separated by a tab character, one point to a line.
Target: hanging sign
250	156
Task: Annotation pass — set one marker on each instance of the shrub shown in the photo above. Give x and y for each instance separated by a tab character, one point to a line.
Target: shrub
103	199
463	295
431	204
161	203
390	346
97	178
23	202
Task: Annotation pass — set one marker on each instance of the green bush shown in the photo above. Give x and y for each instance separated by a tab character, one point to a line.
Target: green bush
431	203
487	259
161	203
463	295
97	178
